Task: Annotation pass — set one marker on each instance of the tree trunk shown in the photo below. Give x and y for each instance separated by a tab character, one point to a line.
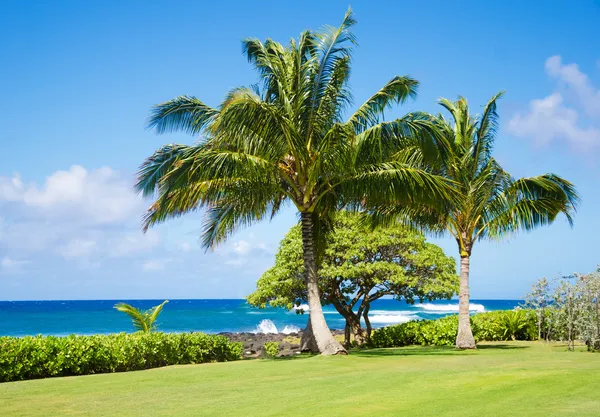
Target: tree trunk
368	322
347	342
307	341
326	343
464	338
357	331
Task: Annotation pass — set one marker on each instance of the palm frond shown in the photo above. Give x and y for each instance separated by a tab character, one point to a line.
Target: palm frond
137	316
154	168
529	203
396	91
155	311
142	320
184	113
486	133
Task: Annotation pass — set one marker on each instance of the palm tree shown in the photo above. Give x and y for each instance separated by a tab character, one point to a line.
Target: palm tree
143	320
284	141
492	204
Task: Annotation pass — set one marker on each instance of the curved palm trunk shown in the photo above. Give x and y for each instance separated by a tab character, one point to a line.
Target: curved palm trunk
307	341
324	340
464	338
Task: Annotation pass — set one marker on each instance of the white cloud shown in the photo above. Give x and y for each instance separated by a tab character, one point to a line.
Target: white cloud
76	214
99	196
12	265
155	264
549	119
134	243
77	248
557	116
185	247
576	83
243	252
241	247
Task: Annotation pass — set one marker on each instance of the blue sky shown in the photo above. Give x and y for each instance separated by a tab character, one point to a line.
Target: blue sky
77	81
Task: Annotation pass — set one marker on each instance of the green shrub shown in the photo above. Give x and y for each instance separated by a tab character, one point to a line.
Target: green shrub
491	326
271	349
47	356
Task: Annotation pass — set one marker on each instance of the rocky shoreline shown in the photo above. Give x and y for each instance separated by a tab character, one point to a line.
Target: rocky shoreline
289	344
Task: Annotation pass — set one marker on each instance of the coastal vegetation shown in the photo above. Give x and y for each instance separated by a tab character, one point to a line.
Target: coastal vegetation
510	379
143	320
568	310
291	140
358	266
271	349
491	204
490	326
34	357
50	356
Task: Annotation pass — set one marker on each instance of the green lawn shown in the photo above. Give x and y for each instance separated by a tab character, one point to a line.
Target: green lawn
507	379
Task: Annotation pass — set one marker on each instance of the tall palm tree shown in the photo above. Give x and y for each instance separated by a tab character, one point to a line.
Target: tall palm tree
492	204
285	141
143	320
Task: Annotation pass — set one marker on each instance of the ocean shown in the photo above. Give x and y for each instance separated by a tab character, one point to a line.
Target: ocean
61	318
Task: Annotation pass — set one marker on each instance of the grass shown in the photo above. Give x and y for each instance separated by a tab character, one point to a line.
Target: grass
502	379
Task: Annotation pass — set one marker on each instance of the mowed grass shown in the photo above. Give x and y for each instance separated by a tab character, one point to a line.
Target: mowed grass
502	379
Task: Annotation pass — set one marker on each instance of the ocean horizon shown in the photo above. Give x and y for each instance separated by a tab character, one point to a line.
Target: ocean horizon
84	317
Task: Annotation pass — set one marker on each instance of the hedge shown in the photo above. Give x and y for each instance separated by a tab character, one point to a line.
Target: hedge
491	326
49	356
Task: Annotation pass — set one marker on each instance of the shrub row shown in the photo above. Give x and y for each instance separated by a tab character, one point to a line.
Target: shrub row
491	326
48	356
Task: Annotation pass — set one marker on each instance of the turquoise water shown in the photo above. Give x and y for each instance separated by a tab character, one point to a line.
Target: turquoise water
20	318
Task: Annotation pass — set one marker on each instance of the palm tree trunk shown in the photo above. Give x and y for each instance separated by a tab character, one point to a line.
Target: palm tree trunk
307	341
464	338
325	341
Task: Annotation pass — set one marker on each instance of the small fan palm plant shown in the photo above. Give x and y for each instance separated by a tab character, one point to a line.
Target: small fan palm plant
143	320
512	323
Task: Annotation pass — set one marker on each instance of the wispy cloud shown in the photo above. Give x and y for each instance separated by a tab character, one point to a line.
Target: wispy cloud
135	242
561	115
94	197
75	213
77	248
9	265
155	264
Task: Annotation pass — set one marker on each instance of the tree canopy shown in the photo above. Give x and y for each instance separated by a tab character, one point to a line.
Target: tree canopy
290	139
491	203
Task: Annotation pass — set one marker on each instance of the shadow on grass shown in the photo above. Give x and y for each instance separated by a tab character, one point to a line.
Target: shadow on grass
407	351
502	347
296	357
429	350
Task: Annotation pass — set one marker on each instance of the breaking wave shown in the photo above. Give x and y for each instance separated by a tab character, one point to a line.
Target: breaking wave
448	308
391	317
266	326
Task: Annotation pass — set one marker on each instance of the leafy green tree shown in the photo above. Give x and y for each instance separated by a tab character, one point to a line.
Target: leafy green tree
143	320
538	300
359	266
286	141
491	203
587	306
